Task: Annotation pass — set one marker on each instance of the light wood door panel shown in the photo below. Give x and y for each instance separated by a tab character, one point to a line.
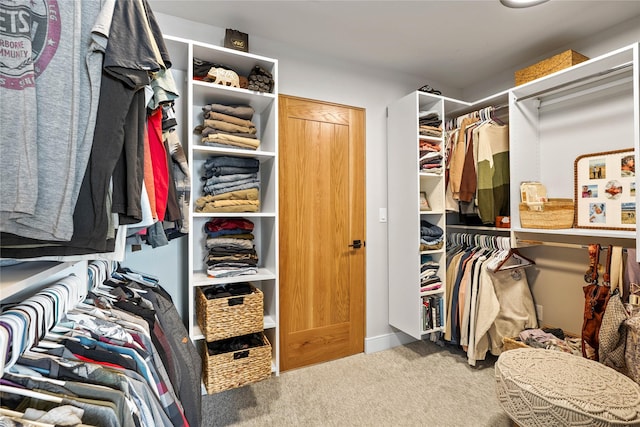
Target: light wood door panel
321	176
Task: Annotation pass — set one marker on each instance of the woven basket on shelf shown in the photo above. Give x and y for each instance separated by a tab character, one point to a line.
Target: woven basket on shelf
227	317
556	213
548	66
237	368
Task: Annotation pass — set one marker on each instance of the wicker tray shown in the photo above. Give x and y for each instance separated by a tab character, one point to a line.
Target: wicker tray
556	213
235	369
512	343
227	317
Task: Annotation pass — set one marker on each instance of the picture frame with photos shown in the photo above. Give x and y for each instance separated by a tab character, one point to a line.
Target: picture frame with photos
605	190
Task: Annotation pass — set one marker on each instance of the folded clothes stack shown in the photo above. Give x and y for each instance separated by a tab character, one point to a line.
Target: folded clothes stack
230	248
231	184
429	279
228	126
427	147
431	162
430	123
431	236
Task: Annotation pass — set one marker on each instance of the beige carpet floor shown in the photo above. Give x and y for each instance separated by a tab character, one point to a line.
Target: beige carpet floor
418	384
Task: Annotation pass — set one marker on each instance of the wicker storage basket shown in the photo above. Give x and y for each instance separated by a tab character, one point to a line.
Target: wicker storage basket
557	62
227	317
556	213
511	343
237	368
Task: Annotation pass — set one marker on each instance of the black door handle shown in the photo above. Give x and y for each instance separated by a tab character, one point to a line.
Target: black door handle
357	244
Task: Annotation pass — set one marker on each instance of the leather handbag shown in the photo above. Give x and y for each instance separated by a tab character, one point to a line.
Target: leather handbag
596	297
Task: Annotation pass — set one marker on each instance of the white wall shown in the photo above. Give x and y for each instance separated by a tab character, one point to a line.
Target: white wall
306	75
598	44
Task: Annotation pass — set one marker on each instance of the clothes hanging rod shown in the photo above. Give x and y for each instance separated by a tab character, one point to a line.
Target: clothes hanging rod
576	81
493	107
557	244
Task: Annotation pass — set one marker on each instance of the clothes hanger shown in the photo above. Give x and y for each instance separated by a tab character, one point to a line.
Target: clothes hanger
494	118
15	327
30	393
514	254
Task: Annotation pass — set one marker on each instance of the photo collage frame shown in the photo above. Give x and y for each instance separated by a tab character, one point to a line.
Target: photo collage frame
605	190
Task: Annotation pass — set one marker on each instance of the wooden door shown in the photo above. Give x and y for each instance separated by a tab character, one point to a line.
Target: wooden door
321	212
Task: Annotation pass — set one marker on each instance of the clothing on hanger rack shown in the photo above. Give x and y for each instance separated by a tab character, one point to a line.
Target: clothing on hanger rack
126	360
484	304
477	166
107	47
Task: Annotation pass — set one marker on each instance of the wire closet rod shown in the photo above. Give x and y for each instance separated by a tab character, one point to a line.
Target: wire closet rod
575	82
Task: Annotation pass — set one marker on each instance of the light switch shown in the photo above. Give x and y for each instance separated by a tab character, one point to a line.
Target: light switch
383	214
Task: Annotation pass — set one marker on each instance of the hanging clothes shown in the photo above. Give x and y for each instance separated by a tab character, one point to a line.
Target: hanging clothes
111	53
118	355
477	167
485	304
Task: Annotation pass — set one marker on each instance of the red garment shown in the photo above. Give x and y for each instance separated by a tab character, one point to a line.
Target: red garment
148	175
218	224
98	362
159	161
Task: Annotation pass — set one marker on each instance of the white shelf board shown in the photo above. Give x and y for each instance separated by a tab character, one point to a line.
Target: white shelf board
433	292
19	277
433	212
431	175
200	278
576	73
234	214
433	251
429	331
269	322
197	335
212	93
218	151
618	234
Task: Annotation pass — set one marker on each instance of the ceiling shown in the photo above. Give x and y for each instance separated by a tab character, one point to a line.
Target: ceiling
455	43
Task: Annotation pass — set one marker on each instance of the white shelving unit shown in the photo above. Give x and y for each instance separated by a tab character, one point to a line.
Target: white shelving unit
405	182
20	281
198	94
589	108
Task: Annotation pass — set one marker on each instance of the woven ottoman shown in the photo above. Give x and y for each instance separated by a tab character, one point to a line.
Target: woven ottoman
538	387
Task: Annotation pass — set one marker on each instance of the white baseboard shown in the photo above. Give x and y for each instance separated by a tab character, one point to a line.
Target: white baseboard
387	341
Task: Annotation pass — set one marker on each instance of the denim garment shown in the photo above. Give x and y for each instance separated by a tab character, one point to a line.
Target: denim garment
224	185
243	162
228	170
230	178
227	184
235	188
430	230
